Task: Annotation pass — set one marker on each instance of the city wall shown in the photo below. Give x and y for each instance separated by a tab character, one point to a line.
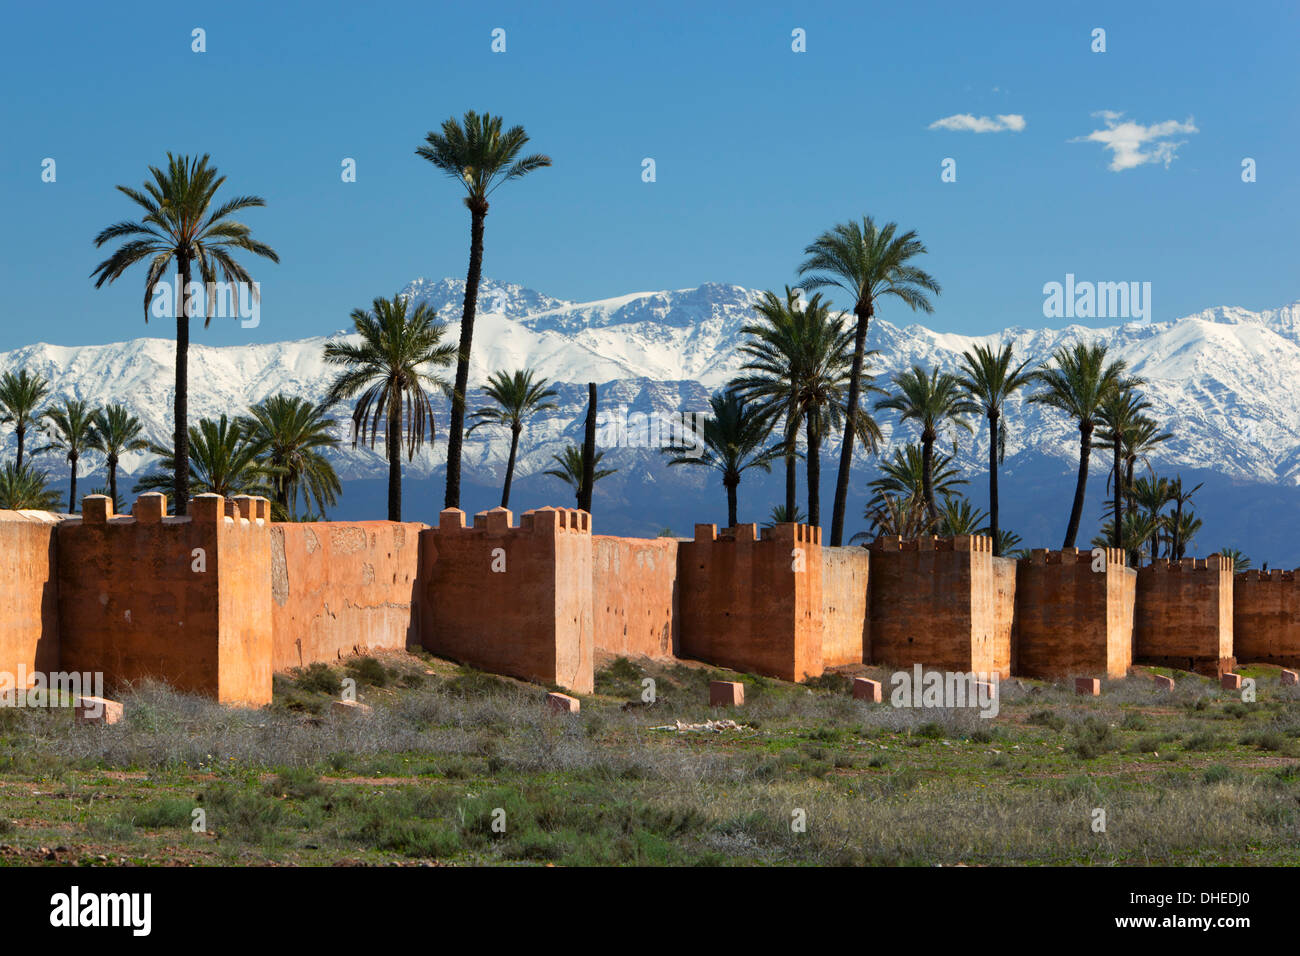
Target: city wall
1074	614
1266	617
634	596
1183	615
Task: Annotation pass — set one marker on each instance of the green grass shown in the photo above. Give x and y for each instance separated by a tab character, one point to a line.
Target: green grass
463	767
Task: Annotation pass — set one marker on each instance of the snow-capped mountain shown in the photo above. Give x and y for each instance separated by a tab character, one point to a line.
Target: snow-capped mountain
1220	381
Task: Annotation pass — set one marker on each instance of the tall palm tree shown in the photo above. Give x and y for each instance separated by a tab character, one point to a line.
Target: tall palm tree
294	435
1077	383
23	488
799	360
867	263
990	380
388	368
571	462
518	397
902	515
1177	527
180	224
116	431
226	459
931	399
19	397
1184	526
735	437
480	156
1119	414
72	431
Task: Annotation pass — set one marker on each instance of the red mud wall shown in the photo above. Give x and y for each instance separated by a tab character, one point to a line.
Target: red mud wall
1183	614
340	588
634	596
753	605
180	599
1266	618
515	601
1004	613
845	632
933	603
1072	620
29	621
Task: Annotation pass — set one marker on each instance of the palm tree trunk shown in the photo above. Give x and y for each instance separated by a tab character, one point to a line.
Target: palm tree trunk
863	313
22	432
112	480
588	452
814	473
180	410
927	473
993	482
393	441
1176	545
454	435
1118	537
510	466
1081	486
72	491
731	501
790	481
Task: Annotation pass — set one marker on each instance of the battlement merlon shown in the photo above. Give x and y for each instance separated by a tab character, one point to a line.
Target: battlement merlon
501	520
151	508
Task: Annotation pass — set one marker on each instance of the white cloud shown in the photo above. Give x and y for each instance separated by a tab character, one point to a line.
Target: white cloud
1132	144
966	123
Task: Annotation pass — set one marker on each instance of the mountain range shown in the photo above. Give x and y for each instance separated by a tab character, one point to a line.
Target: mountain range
1220	381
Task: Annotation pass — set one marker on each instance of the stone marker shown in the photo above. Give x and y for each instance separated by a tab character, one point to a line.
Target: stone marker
1290	677
1089	686
1163	683
349	707
563	703
866	689
1230	681
726	693
97	710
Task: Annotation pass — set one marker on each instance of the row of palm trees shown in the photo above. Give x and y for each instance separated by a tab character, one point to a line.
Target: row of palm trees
805	374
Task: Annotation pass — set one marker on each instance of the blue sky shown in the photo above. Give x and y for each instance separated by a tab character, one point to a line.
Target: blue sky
757	148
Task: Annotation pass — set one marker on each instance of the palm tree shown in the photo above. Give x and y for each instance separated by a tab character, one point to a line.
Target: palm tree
570	469
1138	529
1239	561
800	361
478	155
294	435
1077	384
932	399
734	438
388	363
1180	499
1119	413
19	397
517	397
1184	525
904	475
226	458
72	430
24	488
867	263
1152	494
116	431
990	380
959	516
779	515
904	516
180	224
